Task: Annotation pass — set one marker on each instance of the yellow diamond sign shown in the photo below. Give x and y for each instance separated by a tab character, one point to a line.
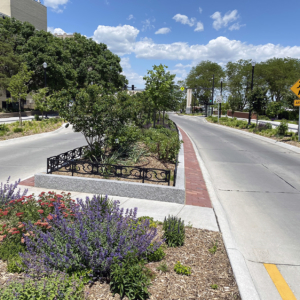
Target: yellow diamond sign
182	88
296	88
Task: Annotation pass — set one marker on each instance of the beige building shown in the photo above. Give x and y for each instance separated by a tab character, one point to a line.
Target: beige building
30	11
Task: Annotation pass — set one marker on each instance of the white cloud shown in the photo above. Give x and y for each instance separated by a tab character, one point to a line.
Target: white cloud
184	20
119	39
55	30
55	4
147	24
163	30
236	26
220	50
199	26
130	17
200	10
220	21
131	76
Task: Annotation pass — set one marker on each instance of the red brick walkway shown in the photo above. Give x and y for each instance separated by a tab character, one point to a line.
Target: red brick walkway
195	187
28	181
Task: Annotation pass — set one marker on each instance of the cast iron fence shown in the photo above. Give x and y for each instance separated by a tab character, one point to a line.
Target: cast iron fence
176	164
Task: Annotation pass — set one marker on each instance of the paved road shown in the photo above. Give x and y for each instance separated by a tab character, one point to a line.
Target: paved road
23	157
259	188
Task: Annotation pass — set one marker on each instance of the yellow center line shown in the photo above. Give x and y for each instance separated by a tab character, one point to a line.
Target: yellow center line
281	285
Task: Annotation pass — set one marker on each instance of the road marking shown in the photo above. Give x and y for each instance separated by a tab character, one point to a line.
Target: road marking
281	285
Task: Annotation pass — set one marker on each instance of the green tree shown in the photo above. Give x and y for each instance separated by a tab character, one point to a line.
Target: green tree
9	64
201	77
41	100
159	84
93	112
18	87
259	101
234	102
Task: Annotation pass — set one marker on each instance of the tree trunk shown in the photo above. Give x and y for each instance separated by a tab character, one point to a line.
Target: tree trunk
20	116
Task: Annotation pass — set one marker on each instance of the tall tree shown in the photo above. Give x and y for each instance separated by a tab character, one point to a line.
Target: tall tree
41	100
18	87
158	86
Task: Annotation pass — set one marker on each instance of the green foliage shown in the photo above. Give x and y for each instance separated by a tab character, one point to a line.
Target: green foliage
214	286
11	247
157	255
4	128
15	264
174	232
163	267
17	129
282	129
129	278
85	276
41	100
163	141
53	287
214	248
181	269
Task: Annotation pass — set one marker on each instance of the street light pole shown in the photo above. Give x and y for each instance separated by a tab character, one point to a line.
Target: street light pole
45	75
253	65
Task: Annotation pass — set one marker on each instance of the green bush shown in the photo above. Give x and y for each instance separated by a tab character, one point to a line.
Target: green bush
181	269
129	278
15	265
282	129
164	142
4	128
17	129
157	255
55	286
11	247
37	118
174	232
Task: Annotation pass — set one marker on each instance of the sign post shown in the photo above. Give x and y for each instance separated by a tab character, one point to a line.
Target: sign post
296	90
219	100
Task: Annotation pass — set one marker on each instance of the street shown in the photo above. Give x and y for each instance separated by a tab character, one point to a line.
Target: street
258	185
23	157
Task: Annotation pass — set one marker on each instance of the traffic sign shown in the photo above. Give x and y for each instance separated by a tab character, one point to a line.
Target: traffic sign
297	102
296	88
182	88
219	99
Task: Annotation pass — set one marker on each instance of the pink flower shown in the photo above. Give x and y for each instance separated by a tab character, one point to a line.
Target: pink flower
40	211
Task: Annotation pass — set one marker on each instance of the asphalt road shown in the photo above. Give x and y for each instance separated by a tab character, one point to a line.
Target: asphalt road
23	157
258	186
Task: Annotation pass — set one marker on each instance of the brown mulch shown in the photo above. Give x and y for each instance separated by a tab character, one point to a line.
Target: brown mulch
206	269
151	161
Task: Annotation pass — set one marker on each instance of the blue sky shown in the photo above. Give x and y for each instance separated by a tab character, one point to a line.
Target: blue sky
180	34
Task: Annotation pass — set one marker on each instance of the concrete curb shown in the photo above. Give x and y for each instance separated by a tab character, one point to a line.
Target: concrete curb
263	138
33	135
241	272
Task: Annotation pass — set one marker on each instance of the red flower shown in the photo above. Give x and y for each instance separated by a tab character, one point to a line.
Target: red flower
19	200
15	232
50	217
5	213
60	196
12	201
40	211
3	226
19	214
20	226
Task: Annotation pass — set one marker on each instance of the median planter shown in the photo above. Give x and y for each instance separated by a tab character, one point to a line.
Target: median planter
174	194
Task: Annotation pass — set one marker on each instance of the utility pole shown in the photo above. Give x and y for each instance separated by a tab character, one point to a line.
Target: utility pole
220	110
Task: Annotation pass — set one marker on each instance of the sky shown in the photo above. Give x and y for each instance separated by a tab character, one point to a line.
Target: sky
181	34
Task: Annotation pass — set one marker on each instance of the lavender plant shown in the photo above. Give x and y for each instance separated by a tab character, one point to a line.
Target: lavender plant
174	231
98	233
8	192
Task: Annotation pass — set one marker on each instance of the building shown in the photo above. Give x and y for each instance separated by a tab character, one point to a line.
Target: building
30	11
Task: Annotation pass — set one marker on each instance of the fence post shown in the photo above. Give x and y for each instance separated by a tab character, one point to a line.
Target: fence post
143	178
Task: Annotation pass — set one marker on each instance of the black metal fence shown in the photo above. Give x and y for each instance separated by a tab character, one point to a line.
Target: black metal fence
69	162
176	164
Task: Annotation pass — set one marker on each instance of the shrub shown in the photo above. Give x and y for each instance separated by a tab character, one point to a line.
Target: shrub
174	232
282	129
36	117
8	192
181	269
17	129
129	278
262	126
97	235
157	255
15	264
4	128
11	247
214	286
55	286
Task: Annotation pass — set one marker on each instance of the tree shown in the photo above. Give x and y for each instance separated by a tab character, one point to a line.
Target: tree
41	100
18	87
201	77
234	102
9	64
93	112
158	86
259	101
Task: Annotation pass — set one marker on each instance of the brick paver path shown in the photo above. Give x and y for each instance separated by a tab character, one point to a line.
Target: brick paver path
195	187
28	181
